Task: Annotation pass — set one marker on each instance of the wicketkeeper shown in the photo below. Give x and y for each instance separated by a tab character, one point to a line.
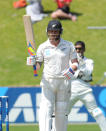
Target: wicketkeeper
81	88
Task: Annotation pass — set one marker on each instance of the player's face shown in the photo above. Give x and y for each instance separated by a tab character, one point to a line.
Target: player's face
79	49
53	35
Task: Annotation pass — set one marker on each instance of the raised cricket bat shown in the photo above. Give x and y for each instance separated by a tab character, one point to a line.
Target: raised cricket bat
30	38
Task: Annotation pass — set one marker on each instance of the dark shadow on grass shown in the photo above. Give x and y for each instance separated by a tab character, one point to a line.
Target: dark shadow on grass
76	13
48	11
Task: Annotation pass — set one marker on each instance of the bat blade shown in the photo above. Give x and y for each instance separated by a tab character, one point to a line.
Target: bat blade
30	38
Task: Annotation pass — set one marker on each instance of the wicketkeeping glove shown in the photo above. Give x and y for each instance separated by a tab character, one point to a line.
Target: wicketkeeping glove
80	59
69	73
80	75
31	60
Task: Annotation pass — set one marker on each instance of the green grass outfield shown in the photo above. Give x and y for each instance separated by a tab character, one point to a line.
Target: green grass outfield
13	50
73	127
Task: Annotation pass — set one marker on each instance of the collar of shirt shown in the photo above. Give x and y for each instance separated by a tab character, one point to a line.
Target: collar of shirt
84	58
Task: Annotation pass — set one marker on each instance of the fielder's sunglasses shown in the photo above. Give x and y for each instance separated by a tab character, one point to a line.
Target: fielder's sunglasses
78	48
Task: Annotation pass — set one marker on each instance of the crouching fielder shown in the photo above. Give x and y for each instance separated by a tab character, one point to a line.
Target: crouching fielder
55	53
80	88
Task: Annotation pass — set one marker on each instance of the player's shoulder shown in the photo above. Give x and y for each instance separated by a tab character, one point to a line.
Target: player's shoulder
67	43
89	60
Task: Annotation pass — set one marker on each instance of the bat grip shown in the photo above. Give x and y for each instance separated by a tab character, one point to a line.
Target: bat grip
35	72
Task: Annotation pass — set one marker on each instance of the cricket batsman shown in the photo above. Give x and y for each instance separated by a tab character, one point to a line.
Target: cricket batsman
55	54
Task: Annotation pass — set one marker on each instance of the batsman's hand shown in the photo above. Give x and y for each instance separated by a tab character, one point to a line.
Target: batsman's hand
31	60
69	74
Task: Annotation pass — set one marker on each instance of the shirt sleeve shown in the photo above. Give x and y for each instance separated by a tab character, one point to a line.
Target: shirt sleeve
88	68
39	54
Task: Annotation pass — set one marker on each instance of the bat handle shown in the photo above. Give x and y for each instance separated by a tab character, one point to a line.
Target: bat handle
35	72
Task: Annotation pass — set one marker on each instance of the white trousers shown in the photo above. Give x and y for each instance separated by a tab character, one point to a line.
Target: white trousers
89	101
54	98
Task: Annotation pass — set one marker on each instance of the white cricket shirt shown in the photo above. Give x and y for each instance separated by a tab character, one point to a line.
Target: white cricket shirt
79	85
56	58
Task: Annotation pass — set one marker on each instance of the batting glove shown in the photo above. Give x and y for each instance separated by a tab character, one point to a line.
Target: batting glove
69	74
31	60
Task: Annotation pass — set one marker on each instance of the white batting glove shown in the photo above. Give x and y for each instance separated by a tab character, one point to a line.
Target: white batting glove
31	60
69	74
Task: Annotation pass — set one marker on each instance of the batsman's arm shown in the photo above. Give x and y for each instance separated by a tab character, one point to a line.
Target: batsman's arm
38	65
74	65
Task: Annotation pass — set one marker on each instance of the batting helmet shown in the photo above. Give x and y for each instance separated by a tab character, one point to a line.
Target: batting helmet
54	25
